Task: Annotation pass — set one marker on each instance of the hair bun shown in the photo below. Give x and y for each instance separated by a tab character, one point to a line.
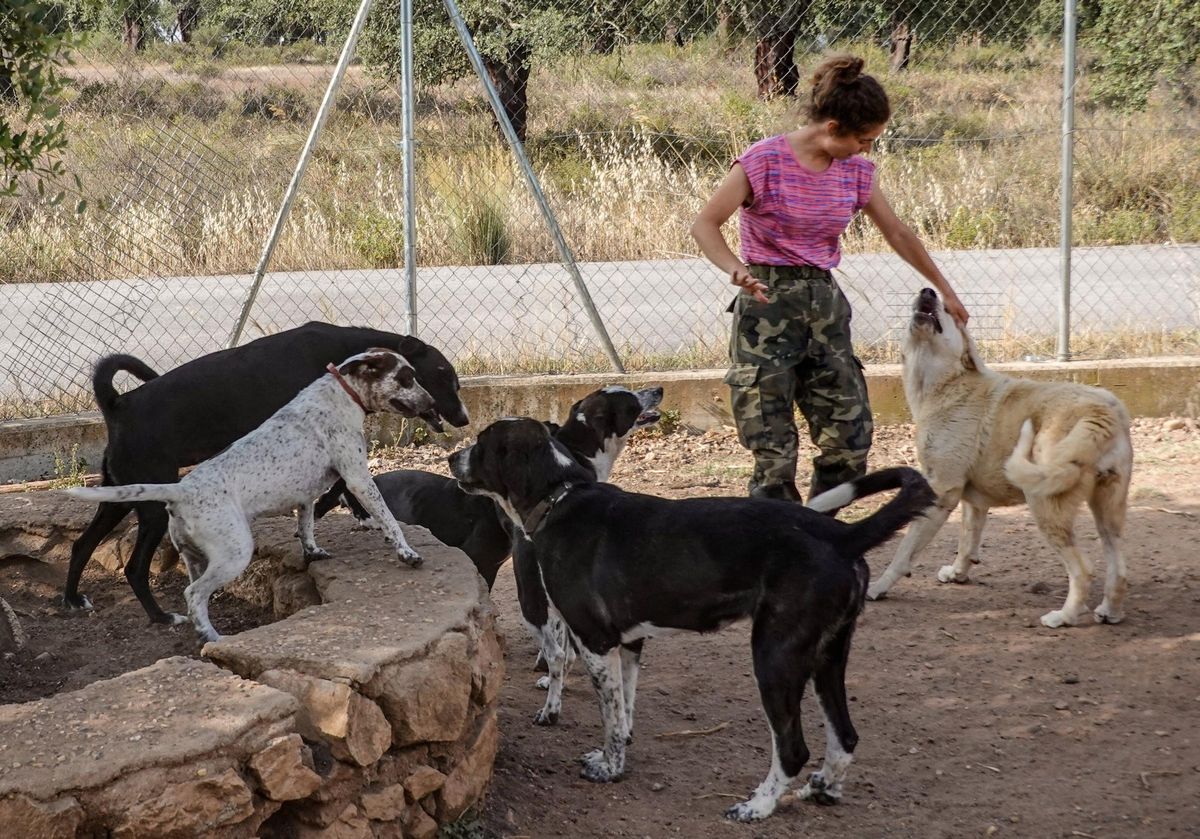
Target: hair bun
839	70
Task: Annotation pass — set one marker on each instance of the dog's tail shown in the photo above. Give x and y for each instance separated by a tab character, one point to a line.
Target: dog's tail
106	368
132	492
914	497
1065	461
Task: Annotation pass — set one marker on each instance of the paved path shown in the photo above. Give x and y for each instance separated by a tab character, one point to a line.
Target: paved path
53	332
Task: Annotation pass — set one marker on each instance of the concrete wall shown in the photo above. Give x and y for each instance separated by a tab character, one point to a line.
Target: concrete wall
1152	387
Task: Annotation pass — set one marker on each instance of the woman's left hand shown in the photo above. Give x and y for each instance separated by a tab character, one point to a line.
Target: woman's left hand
954	308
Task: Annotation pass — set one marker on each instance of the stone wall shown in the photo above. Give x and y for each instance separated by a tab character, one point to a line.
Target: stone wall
368	709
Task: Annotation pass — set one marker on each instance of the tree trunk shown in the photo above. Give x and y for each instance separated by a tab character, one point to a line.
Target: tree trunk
901	50
511	79
186	17
134	33
775	63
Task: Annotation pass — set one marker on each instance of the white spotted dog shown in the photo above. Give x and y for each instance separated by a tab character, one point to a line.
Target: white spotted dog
619	567
282	465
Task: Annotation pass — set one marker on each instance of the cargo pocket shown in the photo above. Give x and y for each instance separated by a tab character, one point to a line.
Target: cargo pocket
743	375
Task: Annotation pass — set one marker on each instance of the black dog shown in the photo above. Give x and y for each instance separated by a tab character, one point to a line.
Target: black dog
594	433
619	567
197	409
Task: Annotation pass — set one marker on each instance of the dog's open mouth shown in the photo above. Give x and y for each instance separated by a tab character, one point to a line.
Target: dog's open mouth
925	312
432	417
648	400
647	417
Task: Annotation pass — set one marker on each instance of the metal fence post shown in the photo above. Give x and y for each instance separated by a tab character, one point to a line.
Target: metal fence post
1066	194
560	241
410	208
314	134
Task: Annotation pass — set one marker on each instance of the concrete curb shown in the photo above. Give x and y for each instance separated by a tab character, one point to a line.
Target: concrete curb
1150	387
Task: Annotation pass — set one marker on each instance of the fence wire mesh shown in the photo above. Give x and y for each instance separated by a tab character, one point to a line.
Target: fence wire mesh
185	120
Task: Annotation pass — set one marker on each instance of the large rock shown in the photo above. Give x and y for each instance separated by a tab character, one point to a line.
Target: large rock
29	819
12	635
293	592
169	714
44	525
466	783
376	612
384	805
280	770
423	781
194	809
352	725
405	691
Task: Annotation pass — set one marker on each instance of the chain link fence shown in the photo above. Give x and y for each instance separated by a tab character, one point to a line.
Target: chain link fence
185	121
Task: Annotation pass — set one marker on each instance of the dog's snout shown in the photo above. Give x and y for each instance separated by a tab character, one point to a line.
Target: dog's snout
928	292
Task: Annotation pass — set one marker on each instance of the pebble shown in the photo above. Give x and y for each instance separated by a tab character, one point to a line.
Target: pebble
1070	679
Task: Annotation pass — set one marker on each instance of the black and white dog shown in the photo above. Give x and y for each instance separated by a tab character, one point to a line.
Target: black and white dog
197	409
620	567
594	433
282	465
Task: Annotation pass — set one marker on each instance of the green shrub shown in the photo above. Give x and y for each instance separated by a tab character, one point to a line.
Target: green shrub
378	238
1183	219
277	102
969	228
483	232
1117	227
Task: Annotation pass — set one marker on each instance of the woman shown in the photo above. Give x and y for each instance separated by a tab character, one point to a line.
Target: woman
797	193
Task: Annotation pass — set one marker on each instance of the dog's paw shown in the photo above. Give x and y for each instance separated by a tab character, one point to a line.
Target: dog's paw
1106	614
410	557
875	592
176	619
543	682
539	663
316	554
597	768
818	791
947	574
544	717
365	524
744	811
79	603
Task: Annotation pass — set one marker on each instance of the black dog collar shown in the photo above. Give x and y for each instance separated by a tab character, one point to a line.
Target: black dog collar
537	516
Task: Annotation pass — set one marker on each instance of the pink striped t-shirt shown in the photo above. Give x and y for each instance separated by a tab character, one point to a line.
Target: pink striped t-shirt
795	216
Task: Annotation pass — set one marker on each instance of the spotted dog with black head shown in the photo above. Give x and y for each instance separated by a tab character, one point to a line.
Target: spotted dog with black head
620	567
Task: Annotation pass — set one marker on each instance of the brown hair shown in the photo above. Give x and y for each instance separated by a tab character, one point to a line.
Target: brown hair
842	92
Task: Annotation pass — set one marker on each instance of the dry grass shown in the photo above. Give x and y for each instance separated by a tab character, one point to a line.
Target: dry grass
627	147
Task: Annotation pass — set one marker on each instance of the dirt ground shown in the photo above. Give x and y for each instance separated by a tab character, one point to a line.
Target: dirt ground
68	650
974	720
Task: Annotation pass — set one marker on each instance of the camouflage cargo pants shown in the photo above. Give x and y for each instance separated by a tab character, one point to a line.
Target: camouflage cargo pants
795	350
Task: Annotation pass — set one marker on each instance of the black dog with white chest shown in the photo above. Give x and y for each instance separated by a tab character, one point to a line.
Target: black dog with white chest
620	567
198	409
594	433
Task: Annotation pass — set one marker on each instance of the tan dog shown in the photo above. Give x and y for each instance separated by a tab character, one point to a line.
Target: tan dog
991	440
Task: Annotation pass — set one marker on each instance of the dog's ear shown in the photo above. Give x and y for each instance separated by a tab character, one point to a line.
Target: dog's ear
552	427
375	363
411	347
